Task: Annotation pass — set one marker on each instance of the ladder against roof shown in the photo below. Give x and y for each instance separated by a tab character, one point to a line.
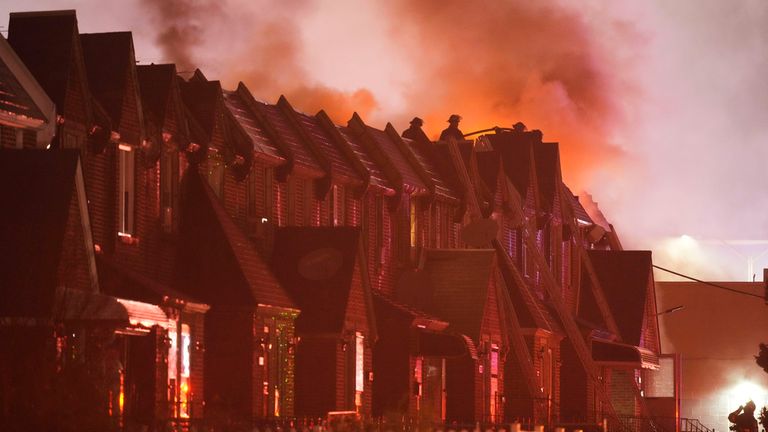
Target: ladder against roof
566	318
517	338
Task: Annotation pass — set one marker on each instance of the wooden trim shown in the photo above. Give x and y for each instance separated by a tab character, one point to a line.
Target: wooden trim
395	178
411	158
285	107
254	107
327	124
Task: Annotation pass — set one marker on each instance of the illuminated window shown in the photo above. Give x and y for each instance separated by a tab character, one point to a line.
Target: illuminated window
495	396
179	369
414	223
359	367
126	188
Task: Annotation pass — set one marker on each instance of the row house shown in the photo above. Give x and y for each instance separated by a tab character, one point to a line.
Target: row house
50	45
69	336
464	287
324	272
626	278
251	321
315	173
200	196
410	362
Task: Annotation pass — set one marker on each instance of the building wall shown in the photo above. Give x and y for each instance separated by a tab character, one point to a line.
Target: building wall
717	335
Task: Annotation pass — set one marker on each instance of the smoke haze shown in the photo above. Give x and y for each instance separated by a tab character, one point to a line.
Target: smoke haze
660	107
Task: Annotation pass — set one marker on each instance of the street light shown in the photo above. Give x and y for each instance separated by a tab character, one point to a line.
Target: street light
672	309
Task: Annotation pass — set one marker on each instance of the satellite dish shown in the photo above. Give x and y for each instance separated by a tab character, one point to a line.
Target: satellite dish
479	233
320	264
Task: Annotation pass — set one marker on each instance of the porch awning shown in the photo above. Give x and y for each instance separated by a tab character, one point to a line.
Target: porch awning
619	355
73	305
440	344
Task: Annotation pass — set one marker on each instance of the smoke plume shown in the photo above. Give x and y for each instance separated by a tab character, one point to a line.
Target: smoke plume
258	43
496	63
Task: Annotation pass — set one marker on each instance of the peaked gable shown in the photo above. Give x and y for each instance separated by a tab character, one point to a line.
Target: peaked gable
625	278
217	262
459	281
318	266
42	228
49	45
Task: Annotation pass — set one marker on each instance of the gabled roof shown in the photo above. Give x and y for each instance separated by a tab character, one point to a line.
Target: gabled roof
36	188
299	253
516	150
14	98
547	157
217	262
578	209
49	45
459	280
339	165
377	176
263	147
625	278
437	161
157	84
110	64
202	99
272	118
394	161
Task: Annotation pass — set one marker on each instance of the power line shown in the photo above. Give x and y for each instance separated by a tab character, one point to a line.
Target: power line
708	283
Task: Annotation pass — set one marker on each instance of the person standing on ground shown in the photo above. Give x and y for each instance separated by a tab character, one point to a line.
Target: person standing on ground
744	421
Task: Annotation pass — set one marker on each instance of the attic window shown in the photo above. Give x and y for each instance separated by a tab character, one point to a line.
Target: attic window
127	186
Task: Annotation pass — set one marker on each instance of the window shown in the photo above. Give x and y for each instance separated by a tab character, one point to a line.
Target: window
495	393
169	183
359	369
337	205
414	224
179	369
126	189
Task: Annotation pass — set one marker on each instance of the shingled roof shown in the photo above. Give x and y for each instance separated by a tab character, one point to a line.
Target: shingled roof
625	279
341	167
217	262
323	299
263	147
459	280
14	98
